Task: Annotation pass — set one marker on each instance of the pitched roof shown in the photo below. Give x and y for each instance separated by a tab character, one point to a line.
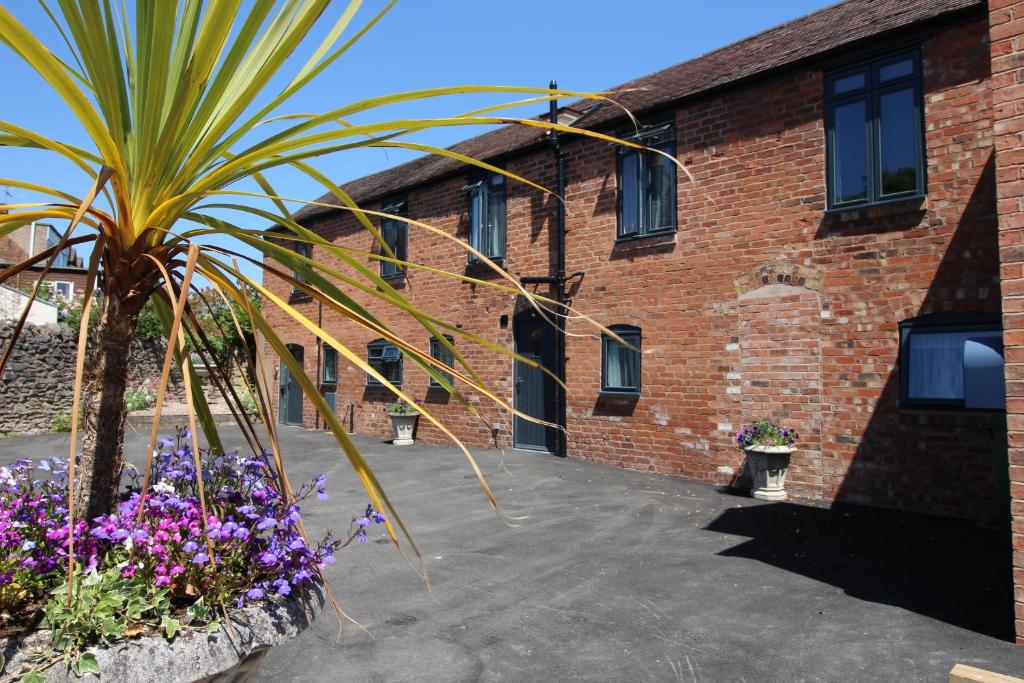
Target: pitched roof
812	35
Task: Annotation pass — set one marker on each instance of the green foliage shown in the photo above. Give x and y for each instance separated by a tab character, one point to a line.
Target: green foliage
109	607
61	423
248	402
216	321
139	398
148	327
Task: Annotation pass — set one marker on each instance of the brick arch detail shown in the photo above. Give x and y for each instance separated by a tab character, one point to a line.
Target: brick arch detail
778	273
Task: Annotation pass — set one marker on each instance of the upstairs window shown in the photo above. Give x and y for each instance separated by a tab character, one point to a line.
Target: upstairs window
442	353
329	372
487	217
620	364
874	120
396	235
386	359
953	361
302	249
647	184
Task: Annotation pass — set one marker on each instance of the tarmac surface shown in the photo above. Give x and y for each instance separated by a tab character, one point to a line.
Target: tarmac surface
623	576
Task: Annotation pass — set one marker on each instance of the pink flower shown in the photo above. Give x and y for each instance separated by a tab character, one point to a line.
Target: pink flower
162	581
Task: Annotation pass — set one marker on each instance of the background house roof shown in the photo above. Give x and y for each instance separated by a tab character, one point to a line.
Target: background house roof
812	35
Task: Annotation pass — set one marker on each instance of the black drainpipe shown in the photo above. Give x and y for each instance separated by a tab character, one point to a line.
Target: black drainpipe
557	280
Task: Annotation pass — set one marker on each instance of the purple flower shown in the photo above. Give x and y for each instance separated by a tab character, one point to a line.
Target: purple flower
190	547
200	559
254	594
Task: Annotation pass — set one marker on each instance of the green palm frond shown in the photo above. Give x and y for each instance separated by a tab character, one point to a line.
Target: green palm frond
183	109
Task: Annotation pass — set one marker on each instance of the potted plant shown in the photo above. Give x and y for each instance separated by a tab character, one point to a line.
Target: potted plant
403	421
768	447
199	597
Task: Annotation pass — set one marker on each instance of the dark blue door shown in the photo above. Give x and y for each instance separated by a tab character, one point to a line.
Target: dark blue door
534	389
291	392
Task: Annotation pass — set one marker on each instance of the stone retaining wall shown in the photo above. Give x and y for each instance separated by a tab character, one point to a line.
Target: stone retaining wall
38	382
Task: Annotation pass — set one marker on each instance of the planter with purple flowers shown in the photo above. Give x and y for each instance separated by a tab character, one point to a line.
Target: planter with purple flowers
768	447
168	571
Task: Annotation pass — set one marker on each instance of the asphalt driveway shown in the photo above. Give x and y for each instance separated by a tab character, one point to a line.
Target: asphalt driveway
619	576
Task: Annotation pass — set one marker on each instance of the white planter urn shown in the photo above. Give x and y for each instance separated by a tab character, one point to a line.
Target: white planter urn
768	466
403	426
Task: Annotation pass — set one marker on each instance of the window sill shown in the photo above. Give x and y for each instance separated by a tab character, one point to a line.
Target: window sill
895	201
481	268
646	236
619	394
298	296
948	408
397	385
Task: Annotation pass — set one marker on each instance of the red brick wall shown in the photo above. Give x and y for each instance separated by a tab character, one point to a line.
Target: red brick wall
713	347
1006	19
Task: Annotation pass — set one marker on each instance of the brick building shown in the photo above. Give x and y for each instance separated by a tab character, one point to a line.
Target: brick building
68	273
845	257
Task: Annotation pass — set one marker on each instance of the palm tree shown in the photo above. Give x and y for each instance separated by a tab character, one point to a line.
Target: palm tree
176	100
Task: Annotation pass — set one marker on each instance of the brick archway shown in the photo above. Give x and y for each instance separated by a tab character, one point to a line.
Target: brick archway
780	365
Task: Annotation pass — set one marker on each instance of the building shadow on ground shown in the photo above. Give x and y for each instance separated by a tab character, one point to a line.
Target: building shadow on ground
942	568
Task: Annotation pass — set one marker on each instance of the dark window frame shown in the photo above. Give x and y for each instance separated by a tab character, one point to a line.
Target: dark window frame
325	364
871	94
482	185
375	352
302	249
644	198
397	207
633	335
939	323
436	348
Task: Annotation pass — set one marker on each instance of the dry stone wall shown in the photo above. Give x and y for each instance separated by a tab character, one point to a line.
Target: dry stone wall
37	385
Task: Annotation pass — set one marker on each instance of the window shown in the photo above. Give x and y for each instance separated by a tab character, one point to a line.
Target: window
329	372
620	364
386	359
952	360
396	235
302	249
874	132
65	289
442	353
487	217
647	185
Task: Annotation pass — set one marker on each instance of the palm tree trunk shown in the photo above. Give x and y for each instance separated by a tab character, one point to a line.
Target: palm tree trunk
98	475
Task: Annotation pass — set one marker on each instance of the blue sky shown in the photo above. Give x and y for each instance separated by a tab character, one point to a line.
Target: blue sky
425	43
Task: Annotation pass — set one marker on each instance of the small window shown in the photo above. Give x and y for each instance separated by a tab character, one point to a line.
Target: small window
64	289
874	137
620	364
953	361
302	249
487	217
647	185
440	352
395	233
386	359
329	374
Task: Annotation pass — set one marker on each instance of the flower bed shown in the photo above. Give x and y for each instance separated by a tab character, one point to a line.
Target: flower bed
161	571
